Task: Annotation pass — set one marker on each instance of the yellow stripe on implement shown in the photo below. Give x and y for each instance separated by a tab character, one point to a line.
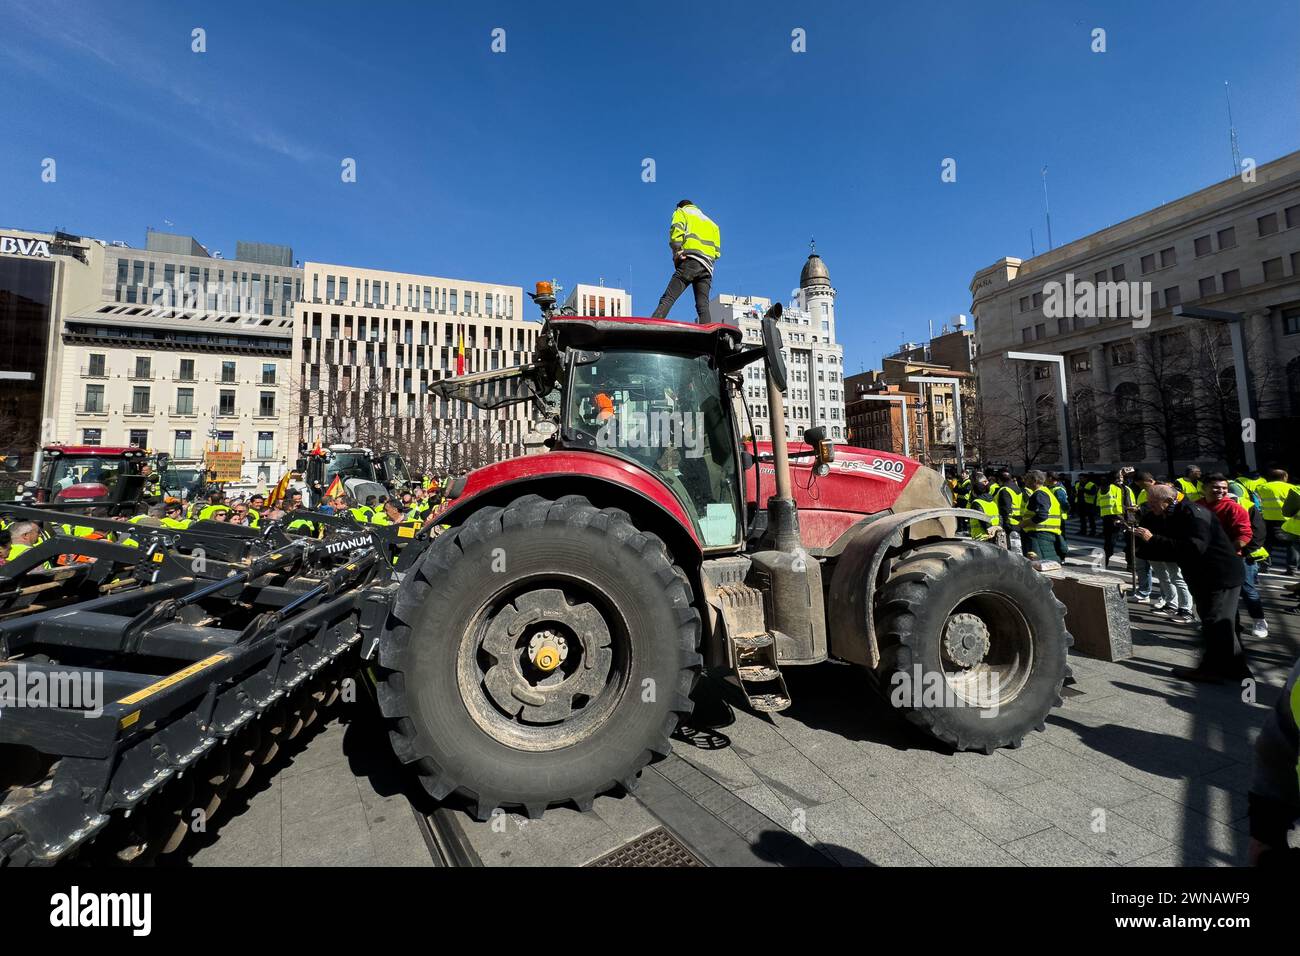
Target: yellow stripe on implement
175	678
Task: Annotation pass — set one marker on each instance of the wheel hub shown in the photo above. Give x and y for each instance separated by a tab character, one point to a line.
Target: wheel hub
547	658
966	639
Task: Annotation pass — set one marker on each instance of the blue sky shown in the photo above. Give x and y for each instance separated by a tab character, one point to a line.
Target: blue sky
527	164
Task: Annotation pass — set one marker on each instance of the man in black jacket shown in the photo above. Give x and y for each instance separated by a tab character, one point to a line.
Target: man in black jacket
1213	570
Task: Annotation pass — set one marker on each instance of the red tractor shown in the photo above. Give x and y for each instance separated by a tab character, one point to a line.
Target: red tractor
70	473
543	649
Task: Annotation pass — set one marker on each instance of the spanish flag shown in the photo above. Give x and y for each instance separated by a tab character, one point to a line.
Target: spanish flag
336	489
460	355
281	487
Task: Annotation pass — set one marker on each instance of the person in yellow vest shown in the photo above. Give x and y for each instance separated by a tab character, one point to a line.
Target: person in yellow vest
1115	499
696	243
983	499
23	536
1007	492
1040	518
1190	484
1088	513
216	501
1274	798
1252	553
1061	491
389	513
174	516
1279	499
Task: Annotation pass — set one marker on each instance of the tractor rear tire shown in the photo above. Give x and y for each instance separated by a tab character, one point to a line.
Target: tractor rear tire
470	699
974	648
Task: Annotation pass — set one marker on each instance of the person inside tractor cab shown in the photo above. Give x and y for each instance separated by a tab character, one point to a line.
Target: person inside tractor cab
663	411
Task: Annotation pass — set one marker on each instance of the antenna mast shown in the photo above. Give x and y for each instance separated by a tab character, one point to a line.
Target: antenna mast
1048	209
1232	133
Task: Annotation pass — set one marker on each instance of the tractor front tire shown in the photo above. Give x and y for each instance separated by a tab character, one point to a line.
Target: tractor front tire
974	648
540	653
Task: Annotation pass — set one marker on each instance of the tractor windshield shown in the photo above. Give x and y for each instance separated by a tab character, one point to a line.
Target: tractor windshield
349	464
663	411
67	472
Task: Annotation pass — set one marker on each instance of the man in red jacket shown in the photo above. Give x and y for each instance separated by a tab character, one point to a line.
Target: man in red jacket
1232	517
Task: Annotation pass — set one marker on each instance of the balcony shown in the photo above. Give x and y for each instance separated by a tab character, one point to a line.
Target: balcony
227	413
92	410
181	377
175	412
94	373
135	376
139	411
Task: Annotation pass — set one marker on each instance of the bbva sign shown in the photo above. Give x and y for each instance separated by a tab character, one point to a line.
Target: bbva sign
14	246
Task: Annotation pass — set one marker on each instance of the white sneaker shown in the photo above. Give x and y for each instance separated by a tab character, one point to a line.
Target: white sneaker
1261	628
1158	603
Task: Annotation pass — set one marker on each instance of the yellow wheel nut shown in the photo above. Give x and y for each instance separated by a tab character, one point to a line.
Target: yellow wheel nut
548	657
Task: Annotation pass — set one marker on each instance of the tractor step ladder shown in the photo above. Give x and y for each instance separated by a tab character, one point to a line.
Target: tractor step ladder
753	647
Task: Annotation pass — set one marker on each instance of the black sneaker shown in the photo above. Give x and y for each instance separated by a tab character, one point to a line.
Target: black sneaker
1182	617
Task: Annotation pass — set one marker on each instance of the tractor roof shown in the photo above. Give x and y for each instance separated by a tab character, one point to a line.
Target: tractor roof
97	451
588	332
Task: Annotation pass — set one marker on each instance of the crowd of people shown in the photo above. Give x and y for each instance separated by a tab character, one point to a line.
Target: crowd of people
1195	545
416	507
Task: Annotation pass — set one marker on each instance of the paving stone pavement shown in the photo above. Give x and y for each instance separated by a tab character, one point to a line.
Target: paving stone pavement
1136	768
339	801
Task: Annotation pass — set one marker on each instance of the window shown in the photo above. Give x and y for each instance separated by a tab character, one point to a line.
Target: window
225	441
187	370
1232	280
94	398
1062	326
1080	363
1292	214
266	407
1207	286
181	446
140	400
91	436
1042	372
1173	296
1291	321
1117	273
1267	224
1148	263
1038	300
226	402
1168	257
268	373
1040	330
1227	238
1272	269
228	371
1121	353
329	288
1099	277
343	287
184	401
1201	246
138	437
266	444
96	365
142	367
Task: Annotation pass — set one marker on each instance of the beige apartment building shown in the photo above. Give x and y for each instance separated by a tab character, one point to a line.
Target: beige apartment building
586	299
370	342
1146	387
177	350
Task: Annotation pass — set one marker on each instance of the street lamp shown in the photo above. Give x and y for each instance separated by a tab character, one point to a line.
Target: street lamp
956	400
1245	399
907	453
1063	405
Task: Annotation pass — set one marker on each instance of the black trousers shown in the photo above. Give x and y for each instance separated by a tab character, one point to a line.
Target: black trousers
689	272
1218	612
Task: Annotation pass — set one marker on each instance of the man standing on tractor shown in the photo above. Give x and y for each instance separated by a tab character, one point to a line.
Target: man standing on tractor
696	243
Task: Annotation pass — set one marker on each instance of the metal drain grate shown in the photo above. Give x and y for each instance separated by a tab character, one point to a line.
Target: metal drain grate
656	848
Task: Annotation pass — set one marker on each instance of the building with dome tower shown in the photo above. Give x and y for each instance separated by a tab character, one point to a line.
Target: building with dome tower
815	362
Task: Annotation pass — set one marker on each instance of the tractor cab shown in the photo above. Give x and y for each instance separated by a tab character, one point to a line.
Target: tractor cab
70	473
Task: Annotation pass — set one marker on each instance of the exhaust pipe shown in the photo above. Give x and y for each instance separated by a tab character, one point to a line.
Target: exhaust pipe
782	518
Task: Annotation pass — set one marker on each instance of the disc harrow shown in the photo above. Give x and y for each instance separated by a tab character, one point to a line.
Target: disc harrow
143	684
